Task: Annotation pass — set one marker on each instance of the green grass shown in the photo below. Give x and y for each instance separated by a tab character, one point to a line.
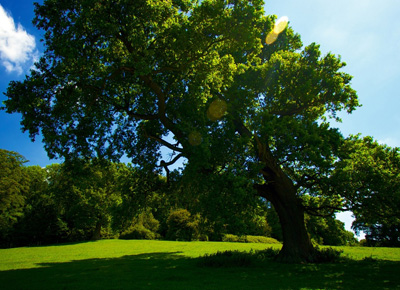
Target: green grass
119	264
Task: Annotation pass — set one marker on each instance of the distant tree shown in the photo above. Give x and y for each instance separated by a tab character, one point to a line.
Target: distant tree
329	231
121	77
182	226
368	176
85	192
37	180
140	192
13	186
40	223
80	200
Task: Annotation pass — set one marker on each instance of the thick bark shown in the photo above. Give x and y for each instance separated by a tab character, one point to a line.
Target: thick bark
281	192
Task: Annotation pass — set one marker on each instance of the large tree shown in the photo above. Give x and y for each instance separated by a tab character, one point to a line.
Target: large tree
196	77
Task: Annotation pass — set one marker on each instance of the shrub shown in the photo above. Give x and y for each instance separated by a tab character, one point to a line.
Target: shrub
144	227
261	239
363	243
148	221
230	238
203	238
249	239
237	258
182	226
327	255
269	253
227	259
138	232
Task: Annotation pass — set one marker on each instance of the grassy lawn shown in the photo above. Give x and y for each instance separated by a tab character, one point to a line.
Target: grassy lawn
119	264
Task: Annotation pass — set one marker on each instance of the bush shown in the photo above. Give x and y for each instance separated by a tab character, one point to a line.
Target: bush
227	259
246	259
138	232
267	254
203	238
327	255
230	238
144	227
182	226
249	239
237	258
363	243
261	239
148	221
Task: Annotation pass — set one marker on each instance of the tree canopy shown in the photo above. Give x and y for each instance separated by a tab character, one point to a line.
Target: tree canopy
368	176
127	77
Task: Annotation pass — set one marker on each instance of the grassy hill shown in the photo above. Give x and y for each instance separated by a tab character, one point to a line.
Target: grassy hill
119	264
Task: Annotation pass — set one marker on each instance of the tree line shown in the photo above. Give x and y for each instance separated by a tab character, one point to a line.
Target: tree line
97	199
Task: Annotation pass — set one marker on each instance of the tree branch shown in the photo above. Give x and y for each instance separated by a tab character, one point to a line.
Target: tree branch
315	211
263	152
163	163
166	164
142	116
165	143
161	103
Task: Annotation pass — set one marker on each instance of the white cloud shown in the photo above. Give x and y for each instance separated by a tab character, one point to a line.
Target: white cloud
17	47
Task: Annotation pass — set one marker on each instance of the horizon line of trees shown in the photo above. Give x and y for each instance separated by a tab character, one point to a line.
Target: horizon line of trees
94	199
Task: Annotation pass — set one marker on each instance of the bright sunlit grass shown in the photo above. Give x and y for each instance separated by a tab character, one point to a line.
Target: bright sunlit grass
123	264
24	258
360	253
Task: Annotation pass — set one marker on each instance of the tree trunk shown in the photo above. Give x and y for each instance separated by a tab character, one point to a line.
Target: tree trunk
97	231
297	246
281	192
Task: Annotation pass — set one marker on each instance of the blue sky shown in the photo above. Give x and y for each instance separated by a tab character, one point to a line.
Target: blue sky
366	33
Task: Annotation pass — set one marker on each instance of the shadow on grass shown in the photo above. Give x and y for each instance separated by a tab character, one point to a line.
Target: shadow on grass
174	271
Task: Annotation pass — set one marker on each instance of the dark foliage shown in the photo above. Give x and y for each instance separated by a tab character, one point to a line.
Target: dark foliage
254	258
237	258
182	226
